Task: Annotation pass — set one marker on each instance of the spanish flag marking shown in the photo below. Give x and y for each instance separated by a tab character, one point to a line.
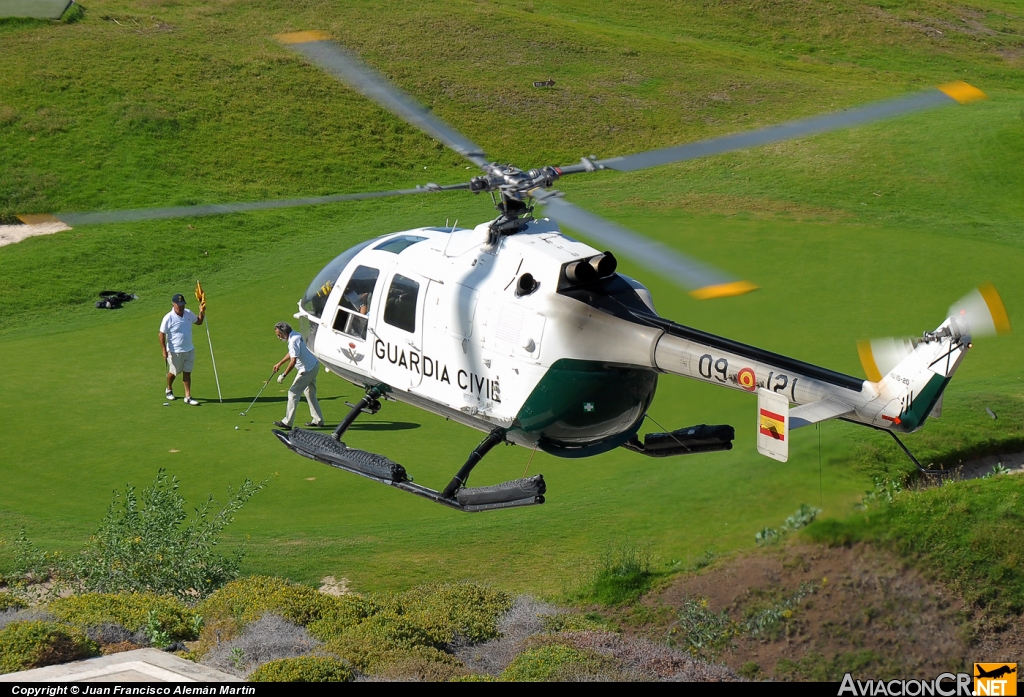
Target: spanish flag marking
773	425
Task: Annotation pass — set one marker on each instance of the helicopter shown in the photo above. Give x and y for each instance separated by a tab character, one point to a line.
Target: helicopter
516	329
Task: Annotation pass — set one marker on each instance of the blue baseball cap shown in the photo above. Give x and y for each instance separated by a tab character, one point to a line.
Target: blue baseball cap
178	299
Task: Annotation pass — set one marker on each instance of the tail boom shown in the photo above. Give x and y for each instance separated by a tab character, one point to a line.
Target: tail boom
900	400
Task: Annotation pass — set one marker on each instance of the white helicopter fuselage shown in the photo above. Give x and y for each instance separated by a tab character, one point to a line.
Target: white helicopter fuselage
442	319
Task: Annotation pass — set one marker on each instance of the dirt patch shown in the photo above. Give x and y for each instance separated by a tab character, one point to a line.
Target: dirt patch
821	612
332	586
1012	463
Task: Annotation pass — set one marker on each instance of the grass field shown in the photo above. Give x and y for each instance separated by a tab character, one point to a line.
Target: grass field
867	233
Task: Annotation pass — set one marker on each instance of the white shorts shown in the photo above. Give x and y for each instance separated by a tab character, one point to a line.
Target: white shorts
180	362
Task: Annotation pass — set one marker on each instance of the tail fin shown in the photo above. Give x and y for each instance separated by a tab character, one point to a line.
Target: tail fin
911	374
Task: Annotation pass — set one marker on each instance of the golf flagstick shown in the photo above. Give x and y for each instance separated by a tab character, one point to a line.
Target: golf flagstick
201	297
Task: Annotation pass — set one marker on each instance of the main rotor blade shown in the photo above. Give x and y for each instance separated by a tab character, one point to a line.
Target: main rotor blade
702	281
343	65
955	92
129	216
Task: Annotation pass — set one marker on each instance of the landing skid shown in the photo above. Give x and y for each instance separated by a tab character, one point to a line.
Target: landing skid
331	450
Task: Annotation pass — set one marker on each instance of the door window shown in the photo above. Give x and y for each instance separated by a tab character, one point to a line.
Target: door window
355	303
400	306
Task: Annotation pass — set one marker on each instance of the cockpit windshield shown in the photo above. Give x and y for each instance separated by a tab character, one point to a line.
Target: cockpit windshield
316	295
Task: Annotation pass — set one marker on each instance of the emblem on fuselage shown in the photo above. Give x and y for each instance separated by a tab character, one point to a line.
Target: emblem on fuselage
351	353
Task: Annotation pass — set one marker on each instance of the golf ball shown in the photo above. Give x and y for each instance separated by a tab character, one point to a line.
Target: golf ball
167	404
236	428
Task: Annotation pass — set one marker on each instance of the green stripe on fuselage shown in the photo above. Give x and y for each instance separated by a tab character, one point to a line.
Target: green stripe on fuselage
913	418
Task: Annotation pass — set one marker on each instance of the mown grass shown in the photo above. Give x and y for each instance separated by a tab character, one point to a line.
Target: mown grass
152	103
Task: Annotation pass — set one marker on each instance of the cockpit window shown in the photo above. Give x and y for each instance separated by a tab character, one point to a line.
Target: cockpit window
397	245
316	295
400	307
356	301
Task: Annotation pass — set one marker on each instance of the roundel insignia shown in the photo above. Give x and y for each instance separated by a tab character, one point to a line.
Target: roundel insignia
747	379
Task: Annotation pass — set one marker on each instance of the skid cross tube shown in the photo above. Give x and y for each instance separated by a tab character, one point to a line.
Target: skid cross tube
370	404
493	438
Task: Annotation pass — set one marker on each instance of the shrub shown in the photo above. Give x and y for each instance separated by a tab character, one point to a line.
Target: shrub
25	645
269	638
11	602
423	665
133	611
450	611
375	657
239	603
143	544
550	663
700	631
248	599
302	669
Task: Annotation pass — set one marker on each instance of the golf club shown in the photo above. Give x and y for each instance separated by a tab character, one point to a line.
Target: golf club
265	383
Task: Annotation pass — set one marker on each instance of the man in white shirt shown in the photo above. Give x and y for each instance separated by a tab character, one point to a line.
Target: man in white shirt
301	359
176	345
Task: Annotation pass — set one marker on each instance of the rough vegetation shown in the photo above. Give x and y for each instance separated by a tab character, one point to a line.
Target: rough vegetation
302	669
25	645
135	612
145	544
967	532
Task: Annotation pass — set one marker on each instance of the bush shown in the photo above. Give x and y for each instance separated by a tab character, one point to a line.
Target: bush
248	599
302	669
380	641
450	611
25	645
700	631
269	638
133	611
11	602
550	663
143	544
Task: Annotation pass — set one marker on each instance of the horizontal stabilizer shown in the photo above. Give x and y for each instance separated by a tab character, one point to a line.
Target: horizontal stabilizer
815	412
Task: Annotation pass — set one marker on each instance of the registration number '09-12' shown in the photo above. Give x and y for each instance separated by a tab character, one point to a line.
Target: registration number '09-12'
718	369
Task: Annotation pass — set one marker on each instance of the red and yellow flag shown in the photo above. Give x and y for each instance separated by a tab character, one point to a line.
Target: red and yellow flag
773	425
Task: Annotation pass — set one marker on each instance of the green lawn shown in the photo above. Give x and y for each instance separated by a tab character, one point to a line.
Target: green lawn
867	233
